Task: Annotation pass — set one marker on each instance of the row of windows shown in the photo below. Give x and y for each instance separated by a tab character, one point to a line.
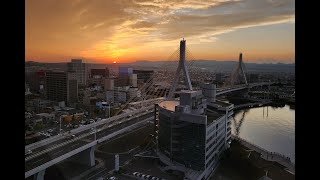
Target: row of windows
209	139
210	130
209	154
210	161
220	148
214	142
228	134
220	142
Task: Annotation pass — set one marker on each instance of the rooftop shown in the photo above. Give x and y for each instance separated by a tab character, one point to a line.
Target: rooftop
212	116
188	91
221	103
169	105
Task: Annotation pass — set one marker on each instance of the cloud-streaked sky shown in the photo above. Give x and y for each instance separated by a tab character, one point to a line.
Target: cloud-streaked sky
128	30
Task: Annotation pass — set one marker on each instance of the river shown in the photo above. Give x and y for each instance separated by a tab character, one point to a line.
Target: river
272	128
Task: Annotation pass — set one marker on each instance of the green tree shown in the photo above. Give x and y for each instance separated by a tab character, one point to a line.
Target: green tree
39	126
67	119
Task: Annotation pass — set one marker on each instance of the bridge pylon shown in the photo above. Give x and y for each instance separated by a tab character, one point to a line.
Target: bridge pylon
240	69
182	66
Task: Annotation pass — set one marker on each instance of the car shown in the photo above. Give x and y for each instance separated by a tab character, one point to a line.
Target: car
28	152
50	130
147	176
71	136
112	178
135	173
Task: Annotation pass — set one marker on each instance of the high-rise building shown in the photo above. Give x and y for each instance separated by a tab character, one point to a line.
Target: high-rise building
97	76
133	80
125	71
124	77
35	79
108	84
193	133
62	86
143	75
99	73
80	69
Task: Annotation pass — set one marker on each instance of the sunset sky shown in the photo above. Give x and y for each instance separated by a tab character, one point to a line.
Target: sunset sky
103	31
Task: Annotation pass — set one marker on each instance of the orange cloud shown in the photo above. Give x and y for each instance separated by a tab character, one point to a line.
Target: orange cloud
144	29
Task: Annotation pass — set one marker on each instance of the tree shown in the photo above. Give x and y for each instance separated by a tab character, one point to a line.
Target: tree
80	118
67	119
75	119
39	125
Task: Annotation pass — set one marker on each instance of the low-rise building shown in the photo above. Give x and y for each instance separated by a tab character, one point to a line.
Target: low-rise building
46	117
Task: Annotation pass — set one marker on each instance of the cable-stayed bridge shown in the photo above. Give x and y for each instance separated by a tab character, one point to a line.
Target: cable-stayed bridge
79	144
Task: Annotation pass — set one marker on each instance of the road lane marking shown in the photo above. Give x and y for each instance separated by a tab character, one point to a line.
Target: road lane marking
37	161
64	143
75	145
57	152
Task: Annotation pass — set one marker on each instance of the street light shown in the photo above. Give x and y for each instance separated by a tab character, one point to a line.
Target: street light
109	109
60	123
95	131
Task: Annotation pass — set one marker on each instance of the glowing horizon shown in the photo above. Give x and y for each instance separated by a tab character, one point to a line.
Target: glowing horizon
104	31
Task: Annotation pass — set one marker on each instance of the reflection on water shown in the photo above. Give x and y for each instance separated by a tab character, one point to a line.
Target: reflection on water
268	127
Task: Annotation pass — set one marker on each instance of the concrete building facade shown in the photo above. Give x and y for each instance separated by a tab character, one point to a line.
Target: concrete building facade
80	69
192	133
62	86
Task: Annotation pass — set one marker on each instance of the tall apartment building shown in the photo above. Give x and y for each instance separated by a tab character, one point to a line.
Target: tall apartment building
193	132
80	69
99	73
35	79
62	86
133	80
143	75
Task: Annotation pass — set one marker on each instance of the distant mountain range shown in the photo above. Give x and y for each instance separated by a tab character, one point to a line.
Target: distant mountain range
210	65
225	66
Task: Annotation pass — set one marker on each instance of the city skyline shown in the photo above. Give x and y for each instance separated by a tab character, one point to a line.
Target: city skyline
128	31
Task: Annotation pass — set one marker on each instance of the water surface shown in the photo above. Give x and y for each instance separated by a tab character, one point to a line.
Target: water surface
272	128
